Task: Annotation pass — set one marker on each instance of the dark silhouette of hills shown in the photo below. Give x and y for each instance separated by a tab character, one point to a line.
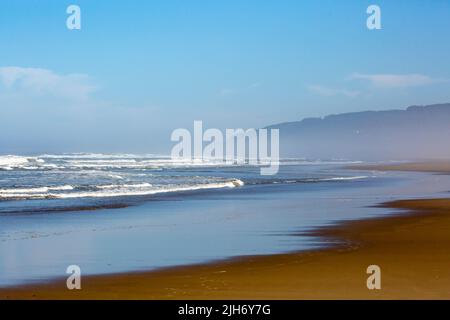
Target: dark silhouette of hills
419	132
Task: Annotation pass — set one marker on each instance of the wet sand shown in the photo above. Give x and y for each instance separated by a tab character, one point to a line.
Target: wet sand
411	248
436	166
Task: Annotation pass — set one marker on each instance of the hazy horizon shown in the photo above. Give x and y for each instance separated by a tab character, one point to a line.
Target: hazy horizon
137	71
287	138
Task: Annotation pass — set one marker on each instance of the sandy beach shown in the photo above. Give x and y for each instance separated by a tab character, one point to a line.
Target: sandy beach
411	250
176	152
435	166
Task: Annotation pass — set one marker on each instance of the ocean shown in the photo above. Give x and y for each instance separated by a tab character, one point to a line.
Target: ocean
123	212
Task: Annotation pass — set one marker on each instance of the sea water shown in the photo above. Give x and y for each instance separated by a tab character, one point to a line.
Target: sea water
121	213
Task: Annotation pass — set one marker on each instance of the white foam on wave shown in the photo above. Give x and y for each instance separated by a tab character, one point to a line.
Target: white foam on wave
112	191
97	161
100	156
120	192
345	178
35	189
11	162
115	176
139	163
124	186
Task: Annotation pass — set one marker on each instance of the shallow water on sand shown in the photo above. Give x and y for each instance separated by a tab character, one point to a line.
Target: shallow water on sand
39	238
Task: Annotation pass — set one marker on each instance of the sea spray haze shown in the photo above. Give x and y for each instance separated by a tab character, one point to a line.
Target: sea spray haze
238	147
418	133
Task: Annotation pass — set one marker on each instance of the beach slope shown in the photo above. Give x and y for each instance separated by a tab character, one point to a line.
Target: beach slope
411	249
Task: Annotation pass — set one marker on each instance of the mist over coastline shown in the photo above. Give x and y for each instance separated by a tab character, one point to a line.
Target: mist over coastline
417	133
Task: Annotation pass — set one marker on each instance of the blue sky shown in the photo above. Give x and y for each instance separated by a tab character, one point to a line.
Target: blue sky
139	69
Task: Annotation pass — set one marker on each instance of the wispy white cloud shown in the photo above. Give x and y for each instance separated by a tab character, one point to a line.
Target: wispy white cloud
396	80
382	81
38	81
328	92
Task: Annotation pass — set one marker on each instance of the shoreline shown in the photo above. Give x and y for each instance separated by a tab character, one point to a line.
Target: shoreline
409	247
430	166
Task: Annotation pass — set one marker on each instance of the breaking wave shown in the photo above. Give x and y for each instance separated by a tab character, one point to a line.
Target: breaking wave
93	161
105	191
12	162
89	175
